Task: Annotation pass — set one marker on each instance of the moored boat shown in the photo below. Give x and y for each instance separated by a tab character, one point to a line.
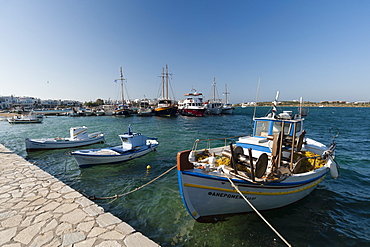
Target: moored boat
214	105
166	107
78	137
227	107
276	166
193	105
25	119
145	110
133	145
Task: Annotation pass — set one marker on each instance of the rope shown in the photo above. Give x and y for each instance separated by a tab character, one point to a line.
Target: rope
258	213
115	197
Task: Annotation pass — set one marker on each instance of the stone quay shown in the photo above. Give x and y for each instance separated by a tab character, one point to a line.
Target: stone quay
36	209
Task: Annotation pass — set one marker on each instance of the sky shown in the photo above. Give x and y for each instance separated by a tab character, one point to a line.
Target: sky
318	50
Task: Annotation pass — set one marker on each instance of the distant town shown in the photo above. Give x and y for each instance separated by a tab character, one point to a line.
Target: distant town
26	103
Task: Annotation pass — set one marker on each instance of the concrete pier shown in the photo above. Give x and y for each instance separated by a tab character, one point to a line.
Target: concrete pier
36	209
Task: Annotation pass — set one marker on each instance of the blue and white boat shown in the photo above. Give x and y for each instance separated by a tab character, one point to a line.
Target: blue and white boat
276	166
78	137
133	145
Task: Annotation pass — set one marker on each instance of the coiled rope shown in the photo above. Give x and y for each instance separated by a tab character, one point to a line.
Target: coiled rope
258	213
126	193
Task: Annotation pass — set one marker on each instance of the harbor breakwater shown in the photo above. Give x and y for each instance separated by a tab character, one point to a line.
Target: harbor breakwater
36	209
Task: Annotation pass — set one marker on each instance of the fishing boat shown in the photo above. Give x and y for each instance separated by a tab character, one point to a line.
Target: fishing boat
227	107
25	119
78	137
133	145
166	107
145	110
193	105
213	106
275	166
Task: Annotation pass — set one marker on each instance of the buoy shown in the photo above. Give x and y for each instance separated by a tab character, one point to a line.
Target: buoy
148	167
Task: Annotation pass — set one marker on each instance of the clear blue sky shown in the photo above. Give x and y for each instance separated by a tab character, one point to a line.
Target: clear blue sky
72	49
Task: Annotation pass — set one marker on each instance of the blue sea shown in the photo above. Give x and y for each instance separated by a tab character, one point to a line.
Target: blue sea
336	213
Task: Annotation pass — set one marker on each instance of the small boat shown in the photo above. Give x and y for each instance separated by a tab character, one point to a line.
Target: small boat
133	145
274	167
213	106
227	108
193	104
24	119
166	107
145	110
78	137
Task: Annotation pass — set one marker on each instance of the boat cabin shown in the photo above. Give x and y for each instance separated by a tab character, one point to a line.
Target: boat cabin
268	126
131	140
78	133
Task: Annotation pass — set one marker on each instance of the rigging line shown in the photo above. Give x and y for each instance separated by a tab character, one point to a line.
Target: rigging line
136	189
258	213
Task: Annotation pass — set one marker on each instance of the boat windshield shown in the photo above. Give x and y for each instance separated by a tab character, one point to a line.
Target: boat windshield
268	128
124	140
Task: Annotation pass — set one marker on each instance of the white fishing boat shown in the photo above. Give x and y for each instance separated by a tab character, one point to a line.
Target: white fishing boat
133	145
78	137
145	110
276	166
24	119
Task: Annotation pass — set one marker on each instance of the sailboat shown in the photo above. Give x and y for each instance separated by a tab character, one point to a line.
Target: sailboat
122	110
214	106
166	106
227	108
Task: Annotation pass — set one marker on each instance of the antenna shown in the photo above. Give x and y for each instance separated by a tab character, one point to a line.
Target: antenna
258	91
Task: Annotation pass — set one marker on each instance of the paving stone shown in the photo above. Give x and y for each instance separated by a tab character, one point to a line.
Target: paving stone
137	240
42	239
74	217
72	238
107	219
96	231
26	235
93	210
112	235
66	208
109	244
85	226
86	243
7	234
51	225
12	221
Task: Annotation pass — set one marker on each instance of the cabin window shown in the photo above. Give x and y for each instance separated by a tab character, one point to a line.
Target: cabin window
262	128
277	127
124	140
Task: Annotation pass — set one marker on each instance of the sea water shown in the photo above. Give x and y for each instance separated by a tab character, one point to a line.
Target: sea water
336	213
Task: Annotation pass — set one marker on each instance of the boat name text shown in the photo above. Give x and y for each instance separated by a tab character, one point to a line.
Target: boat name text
219	194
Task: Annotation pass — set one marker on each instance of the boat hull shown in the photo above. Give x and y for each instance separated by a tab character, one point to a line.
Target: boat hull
210	194
192	112
39	144
110	155
166	111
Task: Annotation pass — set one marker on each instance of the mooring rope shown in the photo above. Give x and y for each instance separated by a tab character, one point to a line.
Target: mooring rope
136	189
258	213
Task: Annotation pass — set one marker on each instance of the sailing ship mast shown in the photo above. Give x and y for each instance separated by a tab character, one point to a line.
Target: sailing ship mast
123	95
226	93
214	89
